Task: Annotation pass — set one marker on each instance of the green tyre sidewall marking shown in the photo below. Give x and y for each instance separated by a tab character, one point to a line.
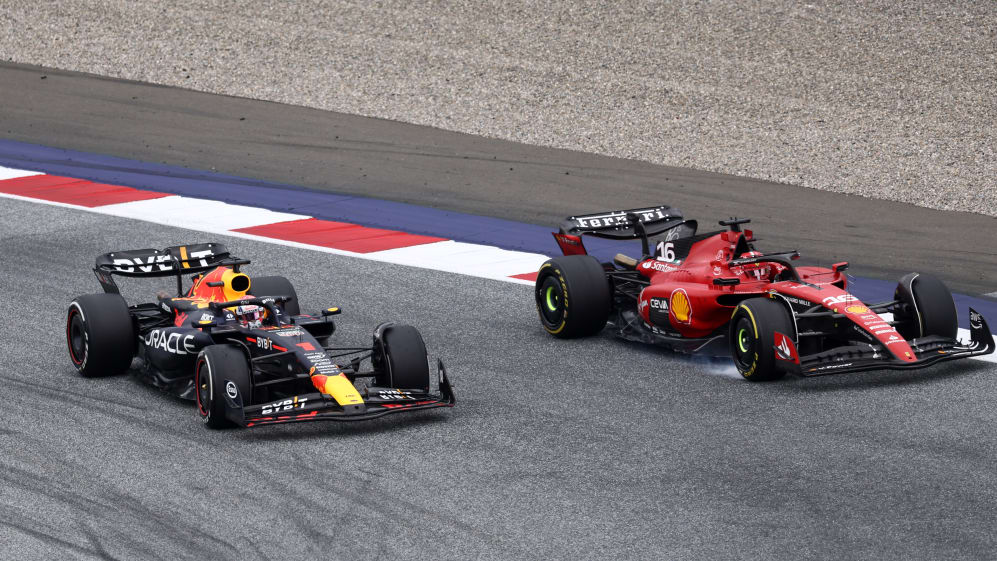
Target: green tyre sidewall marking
544	299
741	339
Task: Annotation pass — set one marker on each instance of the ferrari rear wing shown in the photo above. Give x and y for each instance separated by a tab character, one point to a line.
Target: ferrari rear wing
634	224
623	224
172	261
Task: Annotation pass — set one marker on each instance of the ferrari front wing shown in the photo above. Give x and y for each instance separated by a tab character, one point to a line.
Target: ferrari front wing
928	350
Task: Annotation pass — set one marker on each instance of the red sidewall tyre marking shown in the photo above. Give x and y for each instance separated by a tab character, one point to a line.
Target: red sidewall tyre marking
197	386
73	311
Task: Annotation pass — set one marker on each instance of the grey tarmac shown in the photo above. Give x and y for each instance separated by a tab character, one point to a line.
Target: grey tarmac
892	100
432	167
588	449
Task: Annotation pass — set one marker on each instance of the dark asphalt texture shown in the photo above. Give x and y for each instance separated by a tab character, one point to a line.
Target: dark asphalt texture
590	449
431	167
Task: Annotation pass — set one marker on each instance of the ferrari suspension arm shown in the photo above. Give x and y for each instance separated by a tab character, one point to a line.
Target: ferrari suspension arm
820	312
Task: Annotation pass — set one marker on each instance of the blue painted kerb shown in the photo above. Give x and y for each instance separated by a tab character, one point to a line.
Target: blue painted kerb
364	211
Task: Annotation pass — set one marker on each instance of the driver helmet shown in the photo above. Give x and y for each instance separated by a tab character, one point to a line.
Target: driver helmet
250	315
760	271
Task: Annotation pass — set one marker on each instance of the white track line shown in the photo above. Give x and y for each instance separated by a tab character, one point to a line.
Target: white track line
10	173
466	258
198	214
217	217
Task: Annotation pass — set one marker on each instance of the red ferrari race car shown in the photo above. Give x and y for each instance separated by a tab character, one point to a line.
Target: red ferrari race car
241	348
715	293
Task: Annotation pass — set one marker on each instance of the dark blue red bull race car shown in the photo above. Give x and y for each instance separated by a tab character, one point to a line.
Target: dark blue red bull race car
715	293
241	348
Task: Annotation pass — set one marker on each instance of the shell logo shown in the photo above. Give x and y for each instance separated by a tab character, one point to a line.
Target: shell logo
681	309
857	310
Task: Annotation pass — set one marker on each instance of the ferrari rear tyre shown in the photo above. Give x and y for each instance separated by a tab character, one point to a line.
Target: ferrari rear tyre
573	296
752	338
400	359
100	335
277	286
220	371
926	307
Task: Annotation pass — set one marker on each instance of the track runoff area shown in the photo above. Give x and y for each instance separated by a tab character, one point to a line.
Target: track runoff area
202	201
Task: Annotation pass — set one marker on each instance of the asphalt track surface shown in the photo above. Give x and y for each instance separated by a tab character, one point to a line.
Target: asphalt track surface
593	449
589	449
432	167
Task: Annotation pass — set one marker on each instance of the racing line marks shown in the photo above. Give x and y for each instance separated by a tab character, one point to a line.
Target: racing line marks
296	230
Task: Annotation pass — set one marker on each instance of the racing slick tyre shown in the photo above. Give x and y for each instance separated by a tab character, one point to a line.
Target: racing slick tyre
100	335
400	359
220	370
752	337
573	296
926	307
277	286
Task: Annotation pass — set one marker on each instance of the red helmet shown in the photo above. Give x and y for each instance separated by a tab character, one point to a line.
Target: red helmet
760	271
765	270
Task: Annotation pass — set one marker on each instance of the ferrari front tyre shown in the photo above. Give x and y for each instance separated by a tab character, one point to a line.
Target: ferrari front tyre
276	286
573	296
752	337
100	335
401	360
220	371
926	307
